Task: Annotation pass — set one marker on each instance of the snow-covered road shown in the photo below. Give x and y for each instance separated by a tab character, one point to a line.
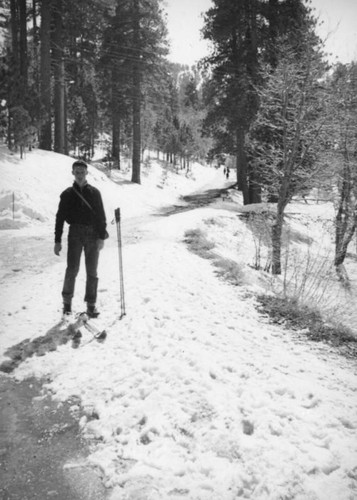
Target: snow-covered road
196	396
193	395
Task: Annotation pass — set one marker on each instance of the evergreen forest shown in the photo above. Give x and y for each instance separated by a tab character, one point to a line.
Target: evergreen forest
265	100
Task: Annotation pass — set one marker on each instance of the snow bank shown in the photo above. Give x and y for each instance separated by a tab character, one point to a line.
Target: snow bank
193	395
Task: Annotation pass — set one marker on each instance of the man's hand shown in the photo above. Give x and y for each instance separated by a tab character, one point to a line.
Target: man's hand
100	244
58	248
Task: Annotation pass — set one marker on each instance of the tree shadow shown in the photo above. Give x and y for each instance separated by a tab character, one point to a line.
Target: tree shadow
195	200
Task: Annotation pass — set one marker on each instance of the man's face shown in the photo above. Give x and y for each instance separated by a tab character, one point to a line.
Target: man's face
80	175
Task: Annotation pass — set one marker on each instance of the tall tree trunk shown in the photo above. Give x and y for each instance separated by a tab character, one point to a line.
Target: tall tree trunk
14	32
346	220
273	18
276	235
36	47
15	92
59	108
241	163
255	191
45	69
116	122
59	86
252	68
136	96
277	228
341	247
23	48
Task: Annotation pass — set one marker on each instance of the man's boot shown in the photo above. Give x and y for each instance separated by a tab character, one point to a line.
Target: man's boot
67	308
92	311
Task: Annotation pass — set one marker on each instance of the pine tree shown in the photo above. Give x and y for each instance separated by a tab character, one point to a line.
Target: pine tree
60	131
132	52
45	73
148	49
84	22
343	154
232	27
290	127
244	35
114	71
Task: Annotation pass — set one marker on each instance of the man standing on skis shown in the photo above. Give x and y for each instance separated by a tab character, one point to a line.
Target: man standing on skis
82	208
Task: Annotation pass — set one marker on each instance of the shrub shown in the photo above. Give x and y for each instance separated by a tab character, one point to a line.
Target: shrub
198	243
229	270
296	316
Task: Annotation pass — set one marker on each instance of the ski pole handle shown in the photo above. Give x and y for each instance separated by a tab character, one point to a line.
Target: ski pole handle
117	214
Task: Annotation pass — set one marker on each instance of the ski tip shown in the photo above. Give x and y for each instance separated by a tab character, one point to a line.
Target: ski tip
101	336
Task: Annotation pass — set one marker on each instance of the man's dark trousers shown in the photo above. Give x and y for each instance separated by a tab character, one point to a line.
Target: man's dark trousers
81	238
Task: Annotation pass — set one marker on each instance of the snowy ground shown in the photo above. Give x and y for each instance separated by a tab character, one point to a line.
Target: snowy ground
193	395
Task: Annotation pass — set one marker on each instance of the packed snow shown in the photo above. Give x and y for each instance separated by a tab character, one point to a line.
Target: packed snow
194	394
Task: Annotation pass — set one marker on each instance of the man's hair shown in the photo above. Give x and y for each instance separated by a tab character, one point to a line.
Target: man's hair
79	163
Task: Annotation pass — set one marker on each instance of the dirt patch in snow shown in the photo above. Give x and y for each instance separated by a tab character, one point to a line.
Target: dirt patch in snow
41	452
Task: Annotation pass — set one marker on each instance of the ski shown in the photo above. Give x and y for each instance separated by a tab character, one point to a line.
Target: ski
75	323
96	333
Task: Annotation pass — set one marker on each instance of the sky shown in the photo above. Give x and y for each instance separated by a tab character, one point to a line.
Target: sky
194	394
185	22
339	27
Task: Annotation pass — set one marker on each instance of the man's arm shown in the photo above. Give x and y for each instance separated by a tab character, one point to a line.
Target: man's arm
60	219
101	218
57	248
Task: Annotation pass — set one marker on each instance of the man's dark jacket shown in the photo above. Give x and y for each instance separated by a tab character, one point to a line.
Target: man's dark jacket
73	210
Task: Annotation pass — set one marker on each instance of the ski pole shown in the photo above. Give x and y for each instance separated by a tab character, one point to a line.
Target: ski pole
121	277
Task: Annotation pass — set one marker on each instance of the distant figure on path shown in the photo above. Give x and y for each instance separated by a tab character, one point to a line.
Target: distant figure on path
227	173
82	208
